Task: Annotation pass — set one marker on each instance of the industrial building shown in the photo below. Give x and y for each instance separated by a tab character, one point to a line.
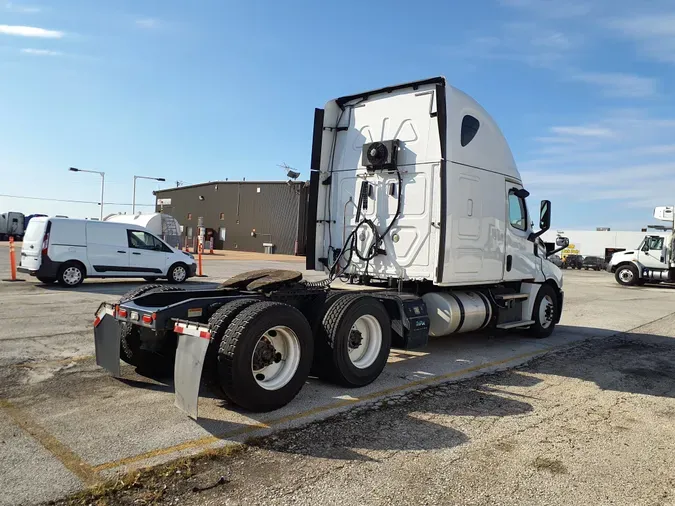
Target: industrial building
600	243
241	215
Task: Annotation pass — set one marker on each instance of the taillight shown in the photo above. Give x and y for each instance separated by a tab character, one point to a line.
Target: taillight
147	318
122	313
45	244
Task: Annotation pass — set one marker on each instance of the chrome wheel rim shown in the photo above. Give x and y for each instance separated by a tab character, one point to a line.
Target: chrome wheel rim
546	307
365	341
276	358
72	276
626	275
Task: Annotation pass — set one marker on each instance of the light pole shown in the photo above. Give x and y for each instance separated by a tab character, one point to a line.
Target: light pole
133	202
102	174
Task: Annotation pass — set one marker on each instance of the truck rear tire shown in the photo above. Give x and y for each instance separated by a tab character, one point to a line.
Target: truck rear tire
139	290
626	275
265	356
218	323
544	312
356	330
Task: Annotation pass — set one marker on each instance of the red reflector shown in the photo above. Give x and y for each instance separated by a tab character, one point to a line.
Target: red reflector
178	330
122	312
204	334
147	318
97	321
154	316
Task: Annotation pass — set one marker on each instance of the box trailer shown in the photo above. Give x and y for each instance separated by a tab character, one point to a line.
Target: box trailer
417	203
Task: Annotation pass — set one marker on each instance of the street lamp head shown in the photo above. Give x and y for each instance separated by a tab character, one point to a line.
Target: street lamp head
161	179
73	169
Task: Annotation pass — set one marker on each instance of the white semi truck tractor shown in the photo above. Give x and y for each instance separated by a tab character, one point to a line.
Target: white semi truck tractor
652	262
419	218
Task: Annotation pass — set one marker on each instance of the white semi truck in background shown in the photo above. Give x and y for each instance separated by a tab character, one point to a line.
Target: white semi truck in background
652	262
416	201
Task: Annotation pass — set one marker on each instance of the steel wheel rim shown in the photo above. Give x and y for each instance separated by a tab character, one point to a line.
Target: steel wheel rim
72	275
626	275
546	311
364	354
179	273
278	373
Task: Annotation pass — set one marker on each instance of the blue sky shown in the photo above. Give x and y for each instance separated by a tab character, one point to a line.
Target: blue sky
215	89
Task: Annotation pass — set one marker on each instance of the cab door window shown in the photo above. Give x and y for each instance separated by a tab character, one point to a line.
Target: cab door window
517	211
655	243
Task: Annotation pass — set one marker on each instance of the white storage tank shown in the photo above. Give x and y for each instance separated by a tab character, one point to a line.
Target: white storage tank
159	224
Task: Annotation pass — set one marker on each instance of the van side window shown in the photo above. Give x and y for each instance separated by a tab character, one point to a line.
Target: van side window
470	126
143	240
517	212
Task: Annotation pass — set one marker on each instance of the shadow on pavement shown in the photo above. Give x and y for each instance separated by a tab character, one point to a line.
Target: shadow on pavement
432	418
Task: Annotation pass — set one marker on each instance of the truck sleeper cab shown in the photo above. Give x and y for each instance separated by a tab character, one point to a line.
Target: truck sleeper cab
68	251
414	196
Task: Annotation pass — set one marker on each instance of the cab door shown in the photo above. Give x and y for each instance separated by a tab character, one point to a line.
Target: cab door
651	252
520	262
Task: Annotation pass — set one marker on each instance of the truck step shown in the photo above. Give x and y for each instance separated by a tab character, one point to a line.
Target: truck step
515	325
511	296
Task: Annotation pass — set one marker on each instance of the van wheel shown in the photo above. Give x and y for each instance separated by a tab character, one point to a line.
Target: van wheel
627	275
71	274
265	356
357	330
178	273
46	281
544	312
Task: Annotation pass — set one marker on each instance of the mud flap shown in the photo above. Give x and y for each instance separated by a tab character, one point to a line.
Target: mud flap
107	336
188	368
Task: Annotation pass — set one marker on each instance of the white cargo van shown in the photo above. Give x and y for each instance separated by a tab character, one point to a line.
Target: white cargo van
67	251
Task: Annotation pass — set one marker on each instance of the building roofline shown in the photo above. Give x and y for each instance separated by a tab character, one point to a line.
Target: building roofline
228	182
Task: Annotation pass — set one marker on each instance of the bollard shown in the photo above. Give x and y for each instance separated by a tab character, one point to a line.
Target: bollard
12	259
211	246
199	259
12	262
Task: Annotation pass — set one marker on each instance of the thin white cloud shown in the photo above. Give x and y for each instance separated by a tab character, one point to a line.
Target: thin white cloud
30	31
582	131
41	52
148	23
22	9
654	34
552	8
617	84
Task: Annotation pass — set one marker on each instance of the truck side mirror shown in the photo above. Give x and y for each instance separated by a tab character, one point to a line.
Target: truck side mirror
645	247
544	219
545	215
561	243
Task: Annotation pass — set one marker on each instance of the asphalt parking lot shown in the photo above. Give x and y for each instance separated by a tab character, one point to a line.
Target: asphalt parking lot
66	424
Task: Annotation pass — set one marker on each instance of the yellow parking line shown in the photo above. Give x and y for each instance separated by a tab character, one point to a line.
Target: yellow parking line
59	450
208	440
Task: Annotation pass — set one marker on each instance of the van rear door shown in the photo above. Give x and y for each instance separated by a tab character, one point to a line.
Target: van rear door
33	242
